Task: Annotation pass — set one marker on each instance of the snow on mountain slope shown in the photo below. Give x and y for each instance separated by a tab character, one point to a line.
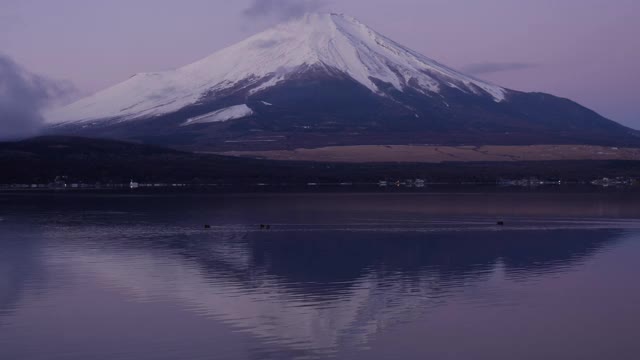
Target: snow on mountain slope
322	41
226	114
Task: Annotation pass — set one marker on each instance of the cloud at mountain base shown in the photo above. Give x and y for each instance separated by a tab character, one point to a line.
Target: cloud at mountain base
23	97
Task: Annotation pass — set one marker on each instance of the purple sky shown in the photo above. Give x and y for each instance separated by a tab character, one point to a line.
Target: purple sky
586	50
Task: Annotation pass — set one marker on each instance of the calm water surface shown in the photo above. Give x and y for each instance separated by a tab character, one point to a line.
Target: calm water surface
361	276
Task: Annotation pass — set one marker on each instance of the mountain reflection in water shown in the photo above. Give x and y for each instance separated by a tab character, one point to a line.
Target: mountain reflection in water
326	286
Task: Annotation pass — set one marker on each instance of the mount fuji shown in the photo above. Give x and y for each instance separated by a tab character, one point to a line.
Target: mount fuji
321	80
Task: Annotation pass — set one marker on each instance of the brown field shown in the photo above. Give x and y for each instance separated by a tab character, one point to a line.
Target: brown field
439	154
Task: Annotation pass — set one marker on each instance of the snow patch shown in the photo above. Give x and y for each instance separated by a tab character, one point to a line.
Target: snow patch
226	114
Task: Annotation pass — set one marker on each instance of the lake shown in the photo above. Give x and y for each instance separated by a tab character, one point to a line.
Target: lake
337	276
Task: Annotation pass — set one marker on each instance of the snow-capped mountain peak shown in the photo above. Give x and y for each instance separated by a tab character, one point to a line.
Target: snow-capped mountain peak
333	43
